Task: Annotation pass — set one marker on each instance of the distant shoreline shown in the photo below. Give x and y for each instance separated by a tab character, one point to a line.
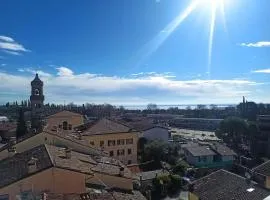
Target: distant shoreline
180	106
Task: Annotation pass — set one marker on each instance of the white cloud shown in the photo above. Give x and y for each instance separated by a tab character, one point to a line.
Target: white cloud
3	64
257	44
146	74
12	52
5	38
9	45
89	87
32	71
265	71
64	71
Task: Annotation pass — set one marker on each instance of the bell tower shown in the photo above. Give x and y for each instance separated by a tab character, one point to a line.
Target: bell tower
37	100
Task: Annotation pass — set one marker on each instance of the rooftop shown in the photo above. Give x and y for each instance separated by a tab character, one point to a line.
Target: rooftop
222	149
65	113
195	134
97	195
142	125
16	167
200	151
105	126
6	126
263	169
224	185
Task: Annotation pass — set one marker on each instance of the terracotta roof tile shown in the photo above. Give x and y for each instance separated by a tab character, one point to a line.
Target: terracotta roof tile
16	167
105	126
263	169
224	185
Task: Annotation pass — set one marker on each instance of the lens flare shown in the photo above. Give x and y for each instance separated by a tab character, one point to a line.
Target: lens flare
153	45
211	36
215	5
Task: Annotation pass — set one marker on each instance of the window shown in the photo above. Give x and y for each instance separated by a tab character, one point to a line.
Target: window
60	126
111	142
65	125
101	143
129	151
121	152
92	143
204	158
129	162
199	159
129	141
111	153
69	127
121	142
37	92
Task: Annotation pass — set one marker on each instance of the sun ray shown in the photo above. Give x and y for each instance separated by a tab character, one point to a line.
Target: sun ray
222	10
150	47
211	37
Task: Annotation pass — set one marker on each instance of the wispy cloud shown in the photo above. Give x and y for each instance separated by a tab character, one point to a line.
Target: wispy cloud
9	45
3	64
6	39
64	71
154	74
257	44
68	85
32	71
263	71
12	52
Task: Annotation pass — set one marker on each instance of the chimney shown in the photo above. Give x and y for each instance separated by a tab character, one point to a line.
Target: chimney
32	165
121	172
67	153
12	146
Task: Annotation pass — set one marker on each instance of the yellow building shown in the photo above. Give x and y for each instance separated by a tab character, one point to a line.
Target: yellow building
52	138
64	121
51	169
117	139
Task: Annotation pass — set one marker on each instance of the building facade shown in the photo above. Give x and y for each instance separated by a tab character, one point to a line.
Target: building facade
64	121
117	139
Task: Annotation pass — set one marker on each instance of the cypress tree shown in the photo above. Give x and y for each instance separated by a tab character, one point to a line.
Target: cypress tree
21	126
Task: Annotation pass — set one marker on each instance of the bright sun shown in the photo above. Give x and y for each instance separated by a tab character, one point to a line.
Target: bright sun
214	7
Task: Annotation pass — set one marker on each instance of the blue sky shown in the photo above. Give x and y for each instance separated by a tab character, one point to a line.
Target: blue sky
136	51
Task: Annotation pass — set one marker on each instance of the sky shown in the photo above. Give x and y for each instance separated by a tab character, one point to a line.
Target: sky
135	52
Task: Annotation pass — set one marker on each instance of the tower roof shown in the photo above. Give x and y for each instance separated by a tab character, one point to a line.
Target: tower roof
36	80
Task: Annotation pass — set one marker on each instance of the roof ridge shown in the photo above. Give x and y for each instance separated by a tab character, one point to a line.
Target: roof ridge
72	141
49	153
226	171
254	168
64	111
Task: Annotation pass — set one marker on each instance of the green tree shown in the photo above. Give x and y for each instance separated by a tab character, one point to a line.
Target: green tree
180	168
155	150
233	129
167	184
152	106
21	126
